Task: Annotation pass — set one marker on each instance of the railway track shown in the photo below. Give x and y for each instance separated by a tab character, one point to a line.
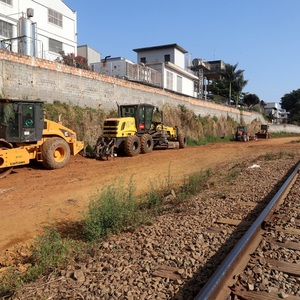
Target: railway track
265	263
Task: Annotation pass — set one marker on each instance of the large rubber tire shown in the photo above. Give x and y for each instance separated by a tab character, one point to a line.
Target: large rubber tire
146	143
182	140
132	145
56	153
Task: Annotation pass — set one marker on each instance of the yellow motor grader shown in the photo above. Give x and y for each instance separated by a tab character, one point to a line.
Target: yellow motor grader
26	135
134	132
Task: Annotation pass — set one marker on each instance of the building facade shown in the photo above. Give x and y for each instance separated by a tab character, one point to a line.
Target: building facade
38	28
89	53
276	114
169	60
126	69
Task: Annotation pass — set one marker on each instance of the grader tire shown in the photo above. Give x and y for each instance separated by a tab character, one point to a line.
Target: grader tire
132	145
56	153
182	140
146	143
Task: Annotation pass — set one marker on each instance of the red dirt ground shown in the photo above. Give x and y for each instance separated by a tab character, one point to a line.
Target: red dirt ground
31	196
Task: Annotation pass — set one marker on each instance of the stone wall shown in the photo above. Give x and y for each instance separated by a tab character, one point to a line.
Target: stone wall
27	77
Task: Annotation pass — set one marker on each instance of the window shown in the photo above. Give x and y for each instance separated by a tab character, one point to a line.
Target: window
55	46
179	84
167	57
7	1
55	17
169	80
28	115
143	60
9	120
6	29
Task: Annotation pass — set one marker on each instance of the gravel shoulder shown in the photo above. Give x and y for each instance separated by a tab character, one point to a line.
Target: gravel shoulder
173	257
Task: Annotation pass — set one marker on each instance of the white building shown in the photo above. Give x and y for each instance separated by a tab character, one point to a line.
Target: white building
276	114
169	60
127	69
39	28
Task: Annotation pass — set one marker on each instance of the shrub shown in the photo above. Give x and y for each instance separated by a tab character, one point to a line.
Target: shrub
111	212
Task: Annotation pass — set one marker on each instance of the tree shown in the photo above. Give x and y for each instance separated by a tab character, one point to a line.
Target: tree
251	99
74	61
263	104
231	84
291	103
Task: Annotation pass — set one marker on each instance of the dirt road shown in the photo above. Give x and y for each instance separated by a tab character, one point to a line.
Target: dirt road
31	197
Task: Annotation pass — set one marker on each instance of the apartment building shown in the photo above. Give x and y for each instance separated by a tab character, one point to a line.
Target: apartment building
39	28
276	114
169	60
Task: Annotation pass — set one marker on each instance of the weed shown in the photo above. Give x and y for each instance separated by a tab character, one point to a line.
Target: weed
284	134
295	142
49	252
267	156
274	156
215	118
9	282
235	171
232	175
111	212
206	140
194	183
169	179
151	199
84	121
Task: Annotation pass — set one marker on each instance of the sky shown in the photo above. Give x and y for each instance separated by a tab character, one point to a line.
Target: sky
261	36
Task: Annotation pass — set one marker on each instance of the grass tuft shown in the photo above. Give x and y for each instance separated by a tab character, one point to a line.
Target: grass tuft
115	209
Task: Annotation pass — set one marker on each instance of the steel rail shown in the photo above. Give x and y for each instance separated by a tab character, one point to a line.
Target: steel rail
214	285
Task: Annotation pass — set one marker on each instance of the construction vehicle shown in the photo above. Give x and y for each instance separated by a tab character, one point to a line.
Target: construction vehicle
263	132
242	134
25	135
134	131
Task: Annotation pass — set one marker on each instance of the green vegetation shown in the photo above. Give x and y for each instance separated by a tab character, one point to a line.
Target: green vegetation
295	142
273	156
235	171
115	209
291	103
283	134
207	140
231	83
74	61
194	184
86	122
50	252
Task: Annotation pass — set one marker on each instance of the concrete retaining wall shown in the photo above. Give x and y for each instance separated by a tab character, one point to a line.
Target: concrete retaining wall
284	128
27	77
